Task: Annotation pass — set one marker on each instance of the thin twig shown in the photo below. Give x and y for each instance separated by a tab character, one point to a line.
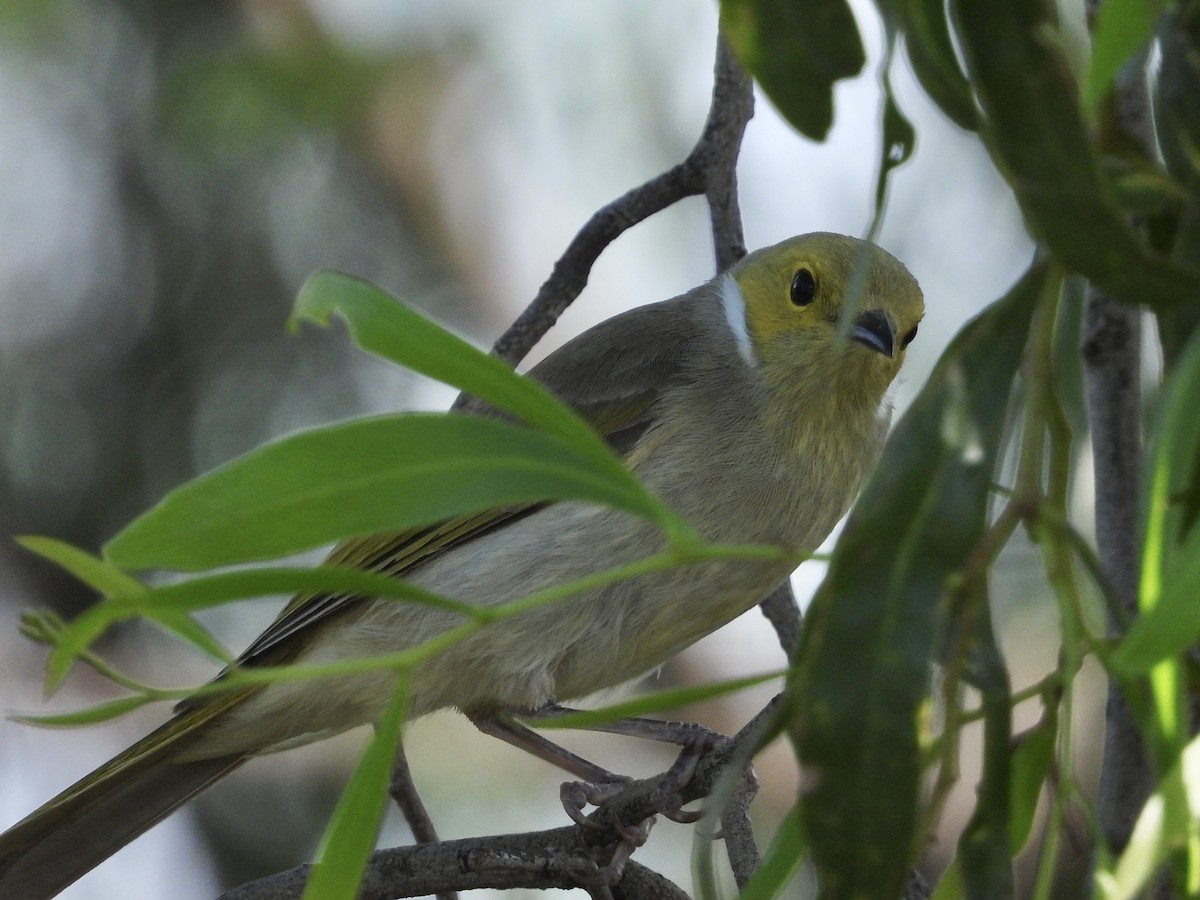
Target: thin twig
737	832
708	169
783	612
732	107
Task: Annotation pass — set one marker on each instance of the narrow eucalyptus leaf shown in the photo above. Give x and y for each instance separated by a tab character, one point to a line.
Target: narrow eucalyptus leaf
386	327
1031	759
656	701
93	715
984	851
355	824
383	325
370	475
191	631
1166	823
93	571
212	590
863	667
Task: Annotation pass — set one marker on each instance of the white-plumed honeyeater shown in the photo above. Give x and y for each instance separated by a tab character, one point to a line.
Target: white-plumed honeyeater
739	403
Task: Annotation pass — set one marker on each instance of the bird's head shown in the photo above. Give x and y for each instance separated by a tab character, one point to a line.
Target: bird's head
785	305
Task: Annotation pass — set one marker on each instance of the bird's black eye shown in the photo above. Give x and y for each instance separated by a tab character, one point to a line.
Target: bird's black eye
908	338
804	287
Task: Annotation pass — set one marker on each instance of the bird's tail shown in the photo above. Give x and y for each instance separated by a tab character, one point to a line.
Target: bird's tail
98	815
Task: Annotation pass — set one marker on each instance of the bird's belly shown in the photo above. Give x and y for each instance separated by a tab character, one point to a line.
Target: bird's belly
573	647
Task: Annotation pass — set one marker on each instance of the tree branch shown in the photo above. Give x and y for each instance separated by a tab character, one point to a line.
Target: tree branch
709	169
556	858
737	832
717	153
535	861
1112	363
1112	368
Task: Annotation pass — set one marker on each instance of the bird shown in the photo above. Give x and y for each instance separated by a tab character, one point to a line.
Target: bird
755	405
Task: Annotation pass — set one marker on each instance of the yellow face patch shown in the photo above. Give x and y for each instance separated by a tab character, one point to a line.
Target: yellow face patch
799	287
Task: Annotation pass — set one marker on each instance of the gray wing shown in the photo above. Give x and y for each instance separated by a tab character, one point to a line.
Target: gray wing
614	373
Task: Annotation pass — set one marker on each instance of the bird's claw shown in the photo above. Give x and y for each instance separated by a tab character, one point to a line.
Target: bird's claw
667	799
575	795
592	874
668	795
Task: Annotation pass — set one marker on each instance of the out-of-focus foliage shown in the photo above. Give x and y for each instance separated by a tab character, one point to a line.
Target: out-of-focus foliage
796	52
907	584
1038	134
1122	31
907	592
931	52
181	171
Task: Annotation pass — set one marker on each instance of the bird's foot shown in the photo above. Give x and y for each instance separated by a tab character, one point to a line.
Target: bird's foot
668	795
630	837
576	795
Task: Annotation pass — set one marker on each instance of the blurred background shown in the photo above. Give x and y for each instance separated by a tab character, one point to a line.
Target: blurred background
170	173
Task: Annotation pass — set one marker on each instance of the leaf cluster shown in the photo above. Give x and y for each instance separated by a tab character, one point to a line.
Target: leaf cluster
907	589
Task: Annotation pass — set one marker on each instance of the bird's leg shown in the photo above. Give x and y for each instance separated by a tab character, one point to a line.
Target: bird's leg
501	725
597	786
403	790
695	739
660	730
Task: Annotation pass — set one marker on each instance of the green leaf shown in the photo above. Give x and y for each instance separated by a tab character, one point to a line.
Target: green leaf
1031	758
191	631
383	325
166	601
1177	98
93	715
355	824
1035	130
863	667
796	50
1123	28
950	885
1172	623
1169	820
782	860
930	49
382	474
1170	580
657	701
899	140
93	571
899	136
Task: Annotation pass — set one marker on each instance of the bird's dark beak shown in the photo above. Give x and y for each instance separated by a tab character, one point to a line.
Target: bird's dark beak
874	329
